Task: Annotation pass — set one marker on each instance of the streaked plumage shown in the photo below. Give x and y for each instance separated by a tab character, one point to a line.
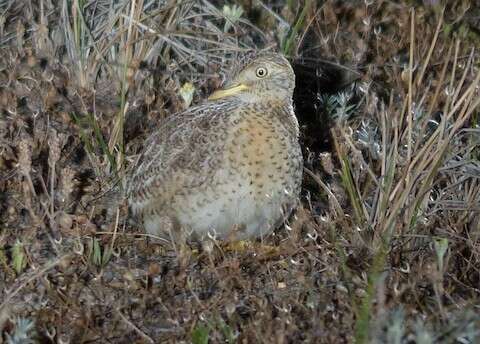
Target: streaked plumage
230	167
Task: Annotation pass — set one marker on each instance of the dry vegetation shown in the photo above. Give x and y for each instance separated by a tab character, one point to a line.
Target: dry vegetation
386	245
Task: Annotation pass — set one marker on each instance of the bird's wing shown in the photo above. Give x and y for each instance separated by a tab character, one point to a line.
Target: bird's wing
181	155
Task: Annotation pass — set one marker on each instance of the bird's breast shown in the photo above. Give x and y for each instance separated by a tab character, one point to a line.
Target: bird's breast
263	153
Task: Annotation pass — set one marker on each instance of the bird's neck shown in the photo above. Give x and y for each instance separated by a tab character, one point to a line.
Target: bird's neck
278	110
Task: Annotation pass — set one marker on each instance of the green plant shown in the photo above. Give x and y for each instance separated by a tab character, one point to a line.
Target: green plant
200	334
24	330
19	259
99	255
232	15
287	44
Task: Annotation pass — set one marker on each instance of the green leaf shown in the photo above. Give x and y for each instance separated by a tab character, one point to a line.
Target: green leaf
97	253
288	45
200	334
441	246
19	260
107	254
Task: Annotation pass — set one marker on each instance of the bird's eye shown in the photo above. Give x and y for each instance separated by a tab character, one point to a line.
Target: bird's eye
261	72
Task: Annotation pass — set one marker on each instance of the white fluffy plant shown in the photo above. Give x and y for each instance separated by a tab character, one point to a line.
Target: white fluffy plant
23	333
232	15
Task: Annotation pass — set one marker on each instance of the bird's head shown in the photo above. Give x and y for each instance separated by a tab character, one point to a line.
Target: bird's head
259	77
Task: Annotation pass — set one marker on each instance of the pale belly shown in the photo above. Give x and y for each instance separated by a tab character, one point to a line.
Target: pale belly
236	210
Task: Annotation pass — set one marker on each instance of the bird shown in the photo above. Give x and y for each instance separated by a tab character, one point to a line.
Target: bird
229	168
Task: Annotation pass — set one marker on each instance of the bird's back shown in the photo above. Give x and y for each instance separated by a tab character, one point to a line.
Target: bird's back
175	156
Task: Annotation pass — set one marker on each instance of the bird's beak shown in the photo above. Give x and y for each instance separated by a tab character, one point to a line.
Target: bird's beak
227	92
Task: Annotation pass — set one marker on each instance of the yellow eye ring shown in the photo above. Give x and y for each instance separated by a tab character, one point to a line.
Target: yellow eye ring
261	72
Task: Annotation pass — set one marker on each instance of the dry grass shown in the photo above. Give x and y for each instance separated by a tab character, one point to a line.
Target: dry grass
386	245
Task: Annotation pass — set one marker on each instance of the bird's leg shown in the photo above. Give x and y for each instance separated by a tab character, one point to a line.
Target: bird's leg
178	237
234	245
